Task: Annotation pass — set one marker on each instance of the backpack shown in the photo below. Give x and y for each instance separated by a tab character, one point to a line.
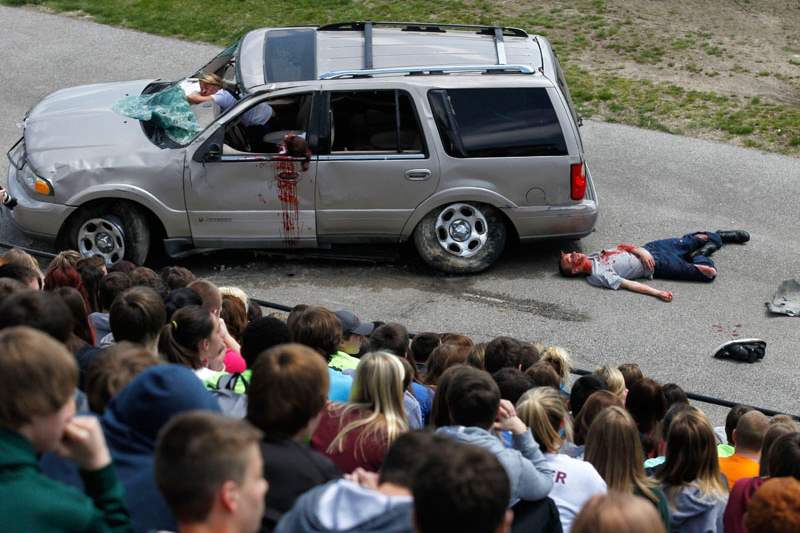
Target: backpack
229	382
231	403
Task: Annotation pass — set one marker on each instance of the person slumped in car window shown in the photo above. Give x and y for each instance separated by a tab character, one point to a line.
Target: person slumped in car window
255	121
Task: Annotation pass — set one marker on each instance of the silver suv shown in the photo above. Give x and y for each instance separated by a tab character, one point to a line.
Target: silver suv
458	137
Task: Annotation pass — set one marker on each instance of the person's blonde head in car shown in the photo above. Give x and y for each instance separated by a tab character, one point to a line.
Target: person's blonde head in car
209	84
211	79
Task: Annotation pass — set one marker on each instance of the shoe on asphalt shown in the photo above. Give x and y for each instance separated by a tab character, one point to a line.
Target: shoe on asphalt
744	350
707	249
734	236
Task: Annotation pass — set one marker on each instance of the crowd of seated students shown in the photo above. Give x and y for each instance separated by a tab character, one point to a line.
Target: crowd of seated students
135	400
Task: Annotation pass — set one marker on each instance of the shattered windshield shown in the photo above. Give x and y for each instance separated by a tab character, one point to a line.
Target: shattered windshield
166	110
166	116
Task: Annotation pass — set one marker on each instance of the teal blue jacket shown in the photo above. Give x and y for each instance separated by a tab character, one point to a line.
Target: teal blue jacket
30	501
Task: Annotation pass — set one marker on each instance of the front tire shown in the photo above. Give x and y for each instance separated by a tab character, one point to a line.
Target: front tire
461	238
114	230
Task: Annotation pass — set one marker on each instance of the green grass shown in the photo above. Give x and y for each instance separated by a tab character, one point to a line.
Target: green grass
577	28
670	108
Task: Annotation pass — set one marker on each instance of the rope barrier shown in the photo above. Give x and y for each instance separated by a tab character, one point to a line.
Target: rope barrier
40	253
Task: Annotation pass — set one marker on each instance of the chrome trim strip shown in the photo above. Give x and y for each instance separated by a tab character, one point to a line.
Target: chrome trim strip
371	157
432	69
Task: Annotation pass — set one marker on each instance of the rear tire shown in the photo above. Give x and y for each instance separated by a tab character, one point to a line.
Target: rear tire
461	238
115	230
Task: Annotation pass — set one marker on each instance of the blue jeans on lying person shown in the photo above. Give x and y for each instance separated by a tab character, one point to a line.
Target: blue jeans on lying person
673	260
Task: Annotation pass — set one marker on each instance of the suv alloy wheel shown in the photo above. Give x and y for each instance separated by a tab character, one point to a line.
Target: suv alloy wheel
461	238
114	231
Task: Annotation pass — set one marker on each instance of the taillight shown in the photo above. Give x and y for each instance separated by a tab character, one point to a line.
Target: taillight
577	181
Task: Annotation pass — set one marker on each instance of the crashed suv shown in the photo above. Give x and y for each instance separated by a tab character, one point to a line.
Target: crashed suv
459	138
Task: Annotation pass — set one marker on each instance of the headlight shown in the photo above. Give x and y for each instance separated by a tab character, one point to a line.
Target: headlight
35	183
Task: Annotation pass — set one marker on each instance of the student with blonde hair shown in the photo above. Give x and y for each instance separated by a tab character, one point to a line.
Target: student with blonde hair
561	362
617	512
614	448
614	380
574	481
359	433
690	476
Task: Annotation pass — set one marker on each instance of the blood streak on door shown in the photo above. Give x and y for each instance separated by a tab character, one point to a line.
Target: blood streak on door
286	178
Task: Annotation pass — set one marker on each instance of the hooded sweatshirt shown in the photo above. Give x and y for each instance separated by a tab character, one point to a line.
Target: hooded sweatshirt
739	499
101	324
693	512
131	424
528	471
345	506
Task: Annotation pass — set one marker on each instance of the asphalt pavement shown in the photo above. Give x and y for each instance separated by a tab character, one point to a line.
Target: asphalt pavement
651	185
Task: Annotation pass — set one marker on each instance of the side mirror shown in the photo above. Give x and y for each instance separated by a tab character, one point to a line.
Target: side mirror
213	153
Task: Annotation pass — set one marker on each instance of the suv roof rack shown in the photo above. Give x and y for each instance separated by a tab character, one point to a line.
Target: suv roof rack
498	32
431	69
431	27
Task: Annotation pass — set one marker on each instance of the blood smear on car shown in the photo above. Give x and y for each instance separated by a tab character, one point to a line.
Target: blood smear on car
286	176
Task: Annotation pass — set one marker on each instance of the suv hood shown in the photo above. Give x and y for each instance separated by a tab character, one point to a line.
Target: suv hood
76	129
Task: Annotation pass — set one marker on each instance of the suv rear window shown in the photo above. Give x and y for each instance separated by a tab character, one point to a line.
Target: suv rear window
499	122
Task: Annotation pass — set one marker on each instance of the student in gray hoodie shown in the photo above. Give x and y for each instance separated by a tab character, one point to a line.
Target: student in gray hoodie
366	502
107	289
473	400
690	477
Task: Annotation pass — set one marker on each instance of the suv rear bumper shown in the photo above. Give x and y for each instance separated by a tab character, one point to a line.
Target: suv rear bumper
32	217
543	222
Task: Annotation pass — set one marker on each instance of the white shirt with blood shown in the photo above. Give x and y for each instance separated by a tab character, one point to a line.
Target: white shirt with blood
610	267
574	482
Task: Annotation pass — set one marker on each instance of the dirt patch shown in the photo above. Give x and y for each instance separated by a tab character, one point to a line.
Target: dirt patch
737	48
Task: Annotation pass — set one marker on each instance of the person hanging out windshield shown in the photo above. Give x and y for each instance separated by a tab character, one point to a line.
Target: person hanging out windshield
687	258
255	121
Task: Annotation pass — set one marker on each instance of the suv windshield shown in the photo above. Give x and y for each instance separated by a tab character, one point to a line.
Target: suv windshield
224	65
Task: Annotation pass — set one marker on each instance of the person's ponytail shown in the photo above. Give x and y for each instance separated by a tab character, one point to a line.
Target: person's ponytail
181	336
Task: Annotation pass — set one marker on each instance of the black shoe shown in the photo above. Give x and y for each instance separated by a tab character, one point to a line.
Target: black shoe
744	350
735	236
707	249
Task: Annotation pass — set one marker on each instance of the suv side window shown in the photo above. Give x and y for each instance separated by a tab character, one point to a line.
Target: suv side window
289	114
383	121
501	122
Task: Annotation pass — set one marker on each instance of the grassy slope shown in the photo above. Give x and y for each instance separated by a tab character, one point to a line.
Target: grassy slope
579	30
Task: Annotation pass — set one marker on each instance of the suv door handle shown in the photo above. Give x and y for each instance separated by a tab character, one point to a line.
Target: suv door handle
418	174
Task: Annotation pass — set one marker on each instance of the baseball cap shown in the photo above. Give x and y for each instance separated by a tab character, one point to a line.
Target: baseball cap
351	324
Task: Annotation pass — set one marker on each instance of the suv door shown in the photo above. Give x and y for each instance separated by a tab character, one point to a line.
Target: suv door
238	198
375	167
